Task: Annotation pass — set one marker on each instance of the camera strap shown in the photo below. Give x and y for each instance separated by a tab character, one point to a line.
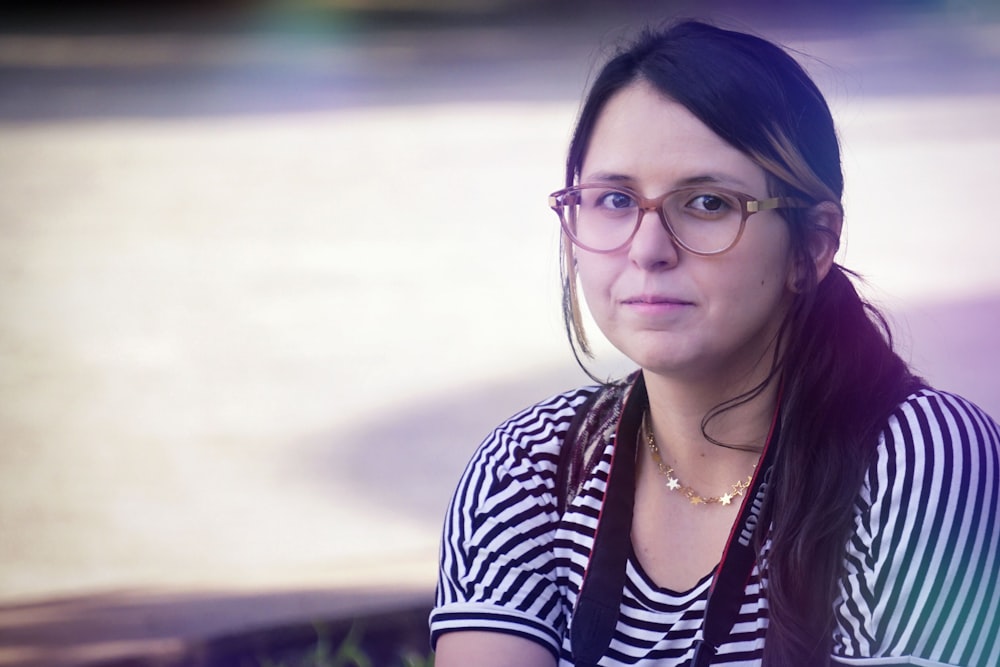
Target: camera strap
595	616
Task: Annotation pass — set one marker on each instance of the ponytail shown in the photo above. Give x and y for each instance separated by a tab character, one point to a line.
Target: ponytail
842	379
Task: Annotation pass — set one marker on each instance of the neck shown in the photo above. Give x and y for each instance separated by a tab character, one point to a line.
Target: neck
677	410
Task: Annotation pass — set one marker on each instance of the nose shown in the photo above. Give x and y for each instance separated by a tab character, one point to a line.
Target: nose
653	247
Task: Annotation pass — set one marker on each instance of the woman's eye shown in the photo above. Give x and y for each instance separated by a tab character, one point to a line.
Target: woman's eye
710	203
615	200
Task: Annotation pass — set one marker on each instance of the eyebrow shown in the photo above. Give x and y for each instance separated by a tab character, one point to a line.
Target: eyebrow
608	178
701	179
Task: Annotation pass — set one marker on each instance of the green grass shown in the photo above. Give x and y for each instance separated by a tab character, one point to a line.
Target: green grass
350	652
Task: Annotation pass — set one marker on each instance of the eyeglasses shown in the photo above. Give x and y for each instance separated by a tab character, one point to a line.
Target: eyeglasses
701	220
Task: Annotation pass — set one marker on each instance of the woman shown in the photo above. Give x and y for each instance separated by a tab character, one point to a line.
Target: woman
772	486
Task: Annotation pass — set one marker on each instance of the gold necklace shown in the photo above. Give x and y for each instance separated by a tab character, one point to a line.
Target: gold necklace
675	484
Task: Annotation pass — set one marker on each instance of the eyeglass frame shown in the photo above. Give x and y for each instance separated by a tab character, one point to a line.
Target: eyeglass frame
750	205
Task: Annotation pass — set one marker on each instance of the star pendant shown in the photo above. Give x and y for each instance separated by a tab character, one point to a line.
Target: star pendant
726	498
673	484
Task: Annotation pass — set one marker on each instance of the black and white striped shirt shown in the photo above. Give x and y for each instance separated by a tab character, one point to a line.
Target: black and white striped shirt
921	583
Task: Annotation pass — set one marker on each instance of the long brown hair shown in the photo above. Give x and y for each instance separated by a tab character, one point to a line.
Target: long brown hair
841	376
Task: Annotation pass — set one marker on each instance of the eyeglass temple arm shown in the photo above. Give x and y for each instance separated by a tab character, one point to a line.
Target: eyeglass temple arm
756	205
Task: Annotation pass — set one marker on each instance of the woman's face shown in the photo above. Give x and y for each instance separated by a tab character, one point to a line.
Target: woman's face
674	313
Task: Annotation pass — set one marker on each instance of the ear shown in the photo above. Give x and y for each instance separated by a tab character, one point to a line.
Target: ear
825	221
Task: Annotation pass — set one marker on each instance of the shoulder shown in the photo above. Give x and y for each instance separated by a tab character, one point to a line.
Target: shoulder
938	460
508	485
934	413
521	455
936	435
537	430
550	415
498	571
919	576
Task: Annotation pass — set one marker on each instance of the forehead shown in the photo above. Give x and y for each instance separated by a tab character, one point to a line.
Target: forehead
643	136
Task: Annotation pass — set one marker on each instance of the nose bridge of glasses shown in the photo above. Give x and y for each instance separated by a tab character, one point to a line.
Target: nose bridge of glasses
657	207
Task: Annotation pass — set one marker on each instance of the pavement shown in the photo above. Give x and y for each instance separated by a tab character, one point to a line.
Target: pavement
264	285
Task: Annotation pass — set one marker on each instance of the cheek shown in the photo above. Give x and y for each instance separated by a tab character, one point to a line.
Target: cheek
757	278
597	278
767	262
596	275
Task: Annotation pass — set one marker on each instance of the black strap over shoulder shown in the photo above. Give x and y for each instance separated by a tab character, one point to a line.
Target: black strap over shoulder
597	606
726	594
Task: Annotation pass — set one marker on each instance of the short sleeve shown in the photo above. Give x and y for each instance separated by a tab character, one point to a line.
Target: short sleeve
497	563
922	572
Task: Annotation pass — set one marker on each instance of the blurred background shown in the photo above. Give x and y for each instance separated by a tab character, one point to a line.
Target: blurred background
269	271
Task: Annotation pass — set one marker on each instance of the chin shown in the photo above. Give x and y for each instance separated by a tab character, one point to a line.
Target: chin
668	364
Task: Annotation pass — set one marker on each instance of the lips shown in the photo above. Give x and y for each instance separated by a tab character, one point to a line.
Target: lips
655	299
